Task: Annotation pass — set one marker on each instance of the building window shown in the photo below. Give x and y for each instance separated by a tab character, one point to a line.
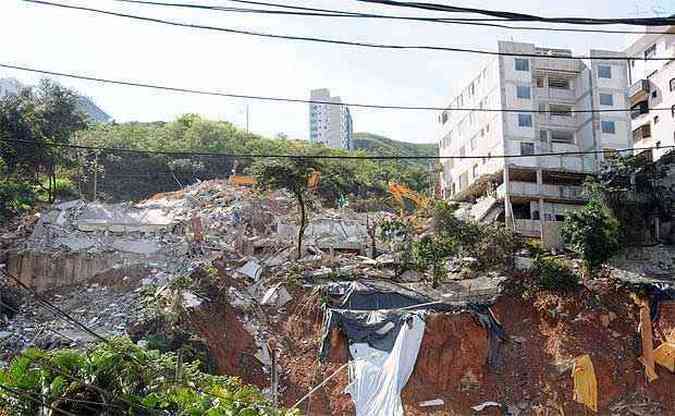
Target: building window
522	64
524	120
523	91
543	135
604	71
540	82
444	117
672	84
655	94
608	127
658	144
606	99
475	171
558	110
526	148
656	119
672	111
650	51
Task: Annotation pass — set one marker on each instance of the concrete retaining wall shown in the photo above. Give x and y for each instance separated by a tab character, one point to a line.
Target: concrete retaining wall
43	271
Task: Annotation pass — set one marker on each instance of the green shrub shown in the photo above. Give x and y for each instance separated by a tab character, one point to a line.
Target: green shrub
120	378
553	274
593	233
16	197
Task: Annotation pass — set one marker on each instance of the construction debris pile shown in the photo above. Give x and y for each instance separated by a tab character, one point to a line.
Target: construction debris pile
333	315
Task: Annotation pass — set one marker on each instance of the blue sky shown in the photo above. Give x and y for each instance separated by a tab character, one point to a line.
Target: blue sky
81	42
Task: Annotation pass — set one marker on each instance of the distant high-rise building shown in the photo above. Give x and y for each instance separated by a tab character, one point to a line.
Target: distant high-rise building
9	86
330	124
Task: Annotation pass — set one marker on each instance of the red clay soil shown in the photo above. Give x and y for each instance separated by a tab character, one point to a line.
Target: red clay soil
547	331
231	346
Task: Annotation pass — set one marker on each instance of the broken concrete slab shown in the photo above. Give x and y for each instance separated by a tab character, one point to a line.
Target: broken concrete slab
252	269
143	247
277	296
76	244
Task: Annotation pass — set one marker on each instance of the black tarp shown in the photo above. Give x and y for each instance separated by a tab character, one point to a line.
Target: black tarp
373	312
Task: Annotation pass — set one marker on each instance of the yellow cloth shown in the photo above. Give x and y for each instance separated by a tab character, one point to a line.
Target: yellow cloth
665	355
585	383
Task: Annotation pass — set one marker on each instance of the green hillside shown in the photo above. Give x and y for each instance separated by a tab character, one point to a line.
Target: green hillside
385	146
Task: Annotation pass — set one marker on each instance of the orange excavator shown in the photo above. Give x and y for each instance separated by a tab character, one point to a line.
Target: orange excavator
400	192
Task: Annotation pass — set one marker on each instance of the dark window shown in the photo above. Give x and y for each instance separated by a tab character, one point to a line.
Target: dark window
526	148
642	108
524	120
672	111
655	94
604	71
606	99
656	119
608	127
672	84
523	91
522	64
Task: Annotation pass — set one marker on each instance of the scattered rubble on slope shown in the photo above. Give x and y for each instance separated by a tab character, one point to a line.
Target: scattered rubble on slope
490	341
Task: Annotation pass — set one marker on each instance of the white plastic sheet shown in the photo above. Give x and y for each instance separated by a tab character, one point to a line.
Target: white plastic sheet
378	377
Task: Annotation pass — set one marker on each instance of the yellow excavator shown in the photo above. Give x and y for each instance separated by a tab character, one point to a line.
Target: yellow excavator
400	192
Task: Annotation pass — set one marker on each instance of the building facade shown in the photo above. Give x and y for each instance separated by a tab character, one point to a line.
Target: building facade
652	85
531	193
330	124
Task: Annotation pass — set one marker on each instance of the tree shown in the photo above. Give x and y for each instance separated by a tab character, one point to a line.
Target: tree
120	378
592	232
38	116
290	174
432	252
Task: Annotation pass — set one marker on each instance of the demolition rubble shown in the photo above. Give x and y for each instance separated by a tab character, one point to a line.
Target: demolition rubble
339	322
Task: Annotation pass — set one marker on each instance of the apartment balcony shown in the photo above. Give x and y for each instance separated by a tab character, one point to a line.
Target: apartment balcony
548	93
639	90
551	192
561	120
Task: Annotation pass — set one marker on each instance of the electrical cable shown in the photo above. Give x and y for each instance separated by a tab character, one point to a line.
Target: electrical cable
333	157
318	102
343	42
339	14
88	330
513	16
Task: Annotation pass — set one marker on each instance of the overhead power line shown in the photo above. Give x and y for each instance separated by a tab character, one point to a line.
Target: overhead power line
513	16
342	42
328	13
332	157
303	101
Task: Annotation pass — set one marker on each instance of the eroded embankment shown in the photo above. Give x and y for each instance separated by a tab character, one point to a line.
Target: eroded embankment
546	332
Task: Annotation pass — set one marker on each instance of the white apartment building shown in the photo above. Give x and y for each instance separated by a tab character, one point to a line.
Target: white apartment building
532	193
652	85
329	124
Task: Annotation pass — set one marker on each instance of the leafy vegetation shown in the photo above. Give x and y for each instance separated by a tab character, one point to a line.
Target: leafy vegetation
190	133
592	232
381	145
398	233
120	378
44	114
631	187
292	175
553	274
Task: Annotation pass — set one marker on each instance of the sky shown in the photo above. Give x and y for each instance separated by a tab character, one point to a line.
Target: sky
90	44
